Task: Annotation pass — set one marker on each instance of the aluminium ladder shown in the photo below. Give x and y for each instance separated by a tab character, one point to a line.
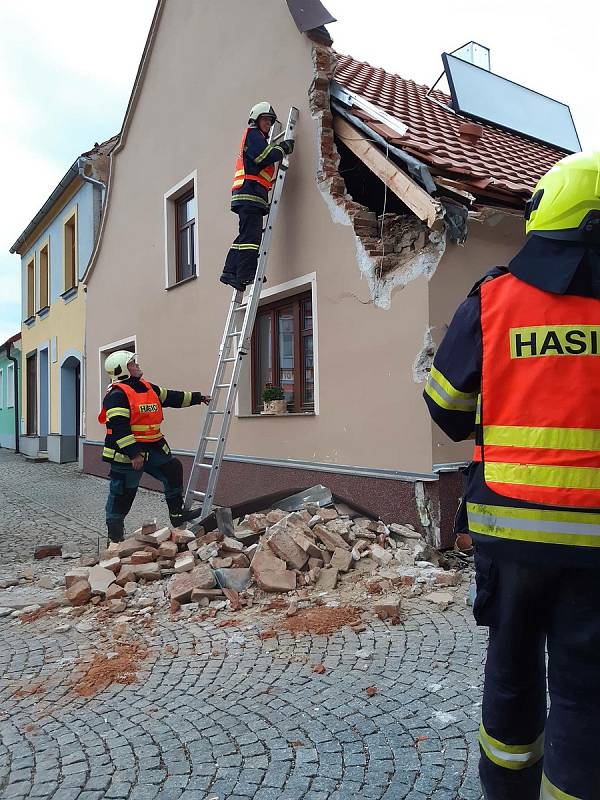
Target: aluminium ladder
235	344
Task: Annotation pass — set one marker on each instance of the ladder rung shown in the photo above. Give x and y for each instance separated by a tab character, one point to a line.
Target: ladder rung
235	333
203	466
211	438
216	412
228	360
222	386
199	495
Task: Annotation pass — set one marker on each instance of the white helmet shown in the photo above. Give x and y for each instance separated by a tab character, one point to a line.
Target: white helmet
262	109
116	364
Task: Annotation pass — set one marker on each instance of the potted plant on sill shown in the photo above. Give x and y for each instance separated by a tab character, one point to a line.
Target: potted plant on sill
274	402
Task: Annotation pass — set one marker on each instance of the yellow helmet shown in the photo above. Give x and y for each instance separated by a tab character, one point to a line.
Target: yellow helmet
565	203
116	364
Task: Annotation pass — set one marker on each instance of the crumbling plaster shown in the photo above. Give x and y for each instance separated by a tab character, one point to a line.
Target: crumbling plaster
391	250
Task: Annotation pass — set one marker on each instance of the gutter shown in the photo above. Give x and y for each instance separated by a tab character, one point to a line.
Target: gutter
16	392
81	162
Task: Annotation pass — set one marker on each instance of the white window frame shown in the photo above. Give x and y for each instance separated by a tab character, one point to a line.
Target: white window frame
103	352
73	212
1	388
170	197
10	386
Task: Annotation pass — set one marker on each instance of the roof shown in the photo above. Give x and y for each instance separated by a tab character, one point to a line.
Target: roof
500	163
12	340
101	150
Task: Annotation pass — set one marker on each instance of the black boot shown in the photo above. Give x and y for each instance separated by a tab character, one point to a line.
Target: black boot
116	530
175	506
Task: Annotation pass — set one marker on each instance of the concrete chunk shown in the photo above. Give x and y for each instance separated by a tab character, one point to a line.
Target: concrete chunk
76	574
184	563
113	564
79	593
327	579
380	555
281	542
147	572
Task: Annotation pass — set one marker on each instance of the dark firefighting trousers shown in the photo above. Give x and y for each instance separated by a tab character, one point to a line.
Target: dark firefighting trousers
125	480
528	607
242	258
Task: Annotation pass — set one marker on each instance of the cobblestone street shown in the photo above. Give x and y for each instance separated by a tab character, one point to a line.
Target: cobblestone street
210	709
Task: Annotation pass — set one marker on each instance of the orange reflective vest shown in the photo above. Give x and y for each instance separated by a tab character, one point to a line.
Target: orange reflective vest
265	177
146	413
539	417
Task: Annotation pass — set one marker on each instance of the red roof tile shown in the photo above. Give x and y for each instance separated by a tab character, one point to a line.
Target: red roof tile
504	163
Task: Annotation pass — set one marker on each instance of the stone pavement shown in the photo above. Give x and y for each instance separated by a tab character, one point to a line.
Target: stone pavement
213	711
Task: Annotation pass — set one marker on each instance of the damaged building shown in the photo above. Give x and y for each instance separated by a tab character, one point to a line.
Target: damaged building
394	206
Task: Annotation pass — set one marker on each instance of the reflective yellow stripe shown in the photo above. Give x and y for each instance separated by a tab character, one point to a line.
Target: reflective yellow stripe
252	197
543	475
245	247
446	396
267	175
145	427
162	396
126	441
552	792
165	448
237	183
511	756
239	172
576	528
478	411
187	399
553	438
149	437
261	156
118	412
108	452
122	458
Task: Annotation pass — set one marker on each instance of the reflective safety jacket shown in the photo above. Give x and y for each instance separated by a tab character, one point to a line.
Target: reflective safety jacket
133	411
254	171
539	396
516	372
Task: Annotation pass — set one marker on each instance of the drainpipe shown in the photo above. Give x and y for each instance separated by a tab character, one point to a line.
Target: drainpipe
16	392
81	166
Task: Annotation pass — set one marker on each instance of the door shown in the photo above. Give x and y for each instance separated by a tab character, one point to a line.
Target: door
32	394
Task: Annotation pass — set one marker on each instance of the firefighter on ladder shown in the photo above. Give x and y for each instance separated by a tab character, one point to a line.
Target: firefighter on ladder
132	412
253	179
517	369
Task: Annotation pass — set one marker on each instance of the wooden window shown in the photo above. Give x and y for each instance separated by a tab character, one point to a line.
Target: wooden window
70	254
32	394
44	277
31	288
185	223
282	352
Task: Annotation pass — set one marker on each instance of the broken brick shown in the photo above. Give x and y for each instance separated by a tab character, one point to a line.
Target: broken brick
319	669
240	561
257	522
47	551
156	537
327	579
100	579
79	593
182	537
126	575
147	572
271	580
387	608
185	563
331	539
229	545
280	541
113	564
115	592
75	575
167	549
201	577
341	559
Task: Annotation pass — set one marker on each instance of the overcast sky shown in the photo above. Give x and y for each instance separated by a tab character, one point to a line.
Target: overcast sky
67	67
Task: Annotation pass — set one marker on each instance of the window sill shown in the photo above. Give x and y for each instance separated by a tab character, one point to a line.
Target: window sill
29	321
43	312
180	283
277	416
69	294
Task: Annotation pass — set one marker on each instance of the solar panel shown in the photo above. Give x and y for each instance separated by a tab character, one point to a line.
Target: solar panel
485	96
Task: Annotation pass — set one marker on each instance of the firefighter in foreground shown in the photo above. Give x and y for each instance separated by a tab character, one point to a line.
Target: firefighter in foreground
520	368
132	411
253	179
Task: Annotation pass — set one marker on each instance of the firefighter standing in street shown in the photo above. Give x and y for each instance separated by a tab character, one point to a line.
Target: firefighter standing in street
519	367
134	444
253	179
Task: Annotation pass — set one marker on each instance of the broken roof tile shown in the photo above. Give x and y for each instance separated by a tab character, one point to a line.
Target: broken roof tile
501	161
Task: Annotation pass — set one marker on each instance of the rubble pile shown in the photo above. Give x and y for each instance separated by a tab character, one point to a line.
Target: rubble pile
306	551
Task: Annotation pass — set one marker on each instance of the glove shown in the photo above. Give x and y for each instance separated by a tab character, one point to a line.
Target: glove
287	146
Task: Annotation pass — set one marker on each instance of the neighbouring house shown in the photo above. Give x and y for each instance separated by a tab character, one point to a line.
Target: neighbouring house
10	391
393	207
55	248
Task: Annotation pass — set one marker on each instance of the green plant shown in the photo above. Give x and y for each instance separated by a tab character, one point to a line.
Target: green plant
272	393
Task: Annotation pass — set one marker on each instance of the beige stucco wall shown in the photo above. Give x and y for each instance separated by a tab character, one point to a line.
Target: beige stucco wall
202	77
487	246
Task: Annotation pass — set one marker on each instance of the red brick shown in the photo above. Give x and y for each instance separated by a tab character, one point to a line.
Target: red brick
47	551
79	593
